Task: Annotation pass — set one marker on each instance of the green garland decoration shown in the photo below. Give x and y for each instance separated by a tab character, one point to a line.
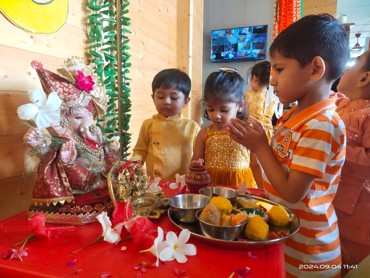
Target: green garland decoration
108	45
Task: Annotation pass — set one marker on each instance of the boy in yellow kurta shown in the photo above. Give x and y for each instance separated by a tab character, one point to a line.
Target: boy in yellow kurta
165	142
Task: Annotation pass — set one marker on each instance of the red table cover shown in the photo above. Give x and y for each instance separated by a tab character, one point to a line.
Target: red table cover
54	258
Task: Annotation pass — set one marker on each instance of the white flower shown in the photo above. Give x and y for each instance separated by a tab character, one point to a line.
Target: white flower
109	234
43	110
177	248
158	246
180	182
154	186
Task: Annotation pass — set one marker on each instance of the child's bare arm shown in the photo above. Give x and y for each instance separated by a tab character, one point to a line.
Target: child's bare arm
292	185
199	149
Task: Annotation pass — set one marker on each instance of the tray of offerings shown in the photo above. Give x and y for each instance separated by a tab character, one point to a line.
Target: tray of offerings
252	205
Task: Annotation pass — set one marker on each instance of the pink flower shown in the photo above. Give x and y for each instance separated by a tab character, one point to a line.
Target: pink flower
143	266
84	82
14	254
37	225
39	229
179	271
142	230
122	212
241	272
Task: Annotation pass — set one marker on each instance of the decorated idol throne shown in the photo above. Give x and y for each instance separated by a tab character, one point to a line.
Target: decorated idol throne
75	156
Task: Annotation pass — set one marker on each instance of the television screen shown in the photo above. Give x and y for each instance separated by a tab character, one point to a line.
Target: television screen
239	44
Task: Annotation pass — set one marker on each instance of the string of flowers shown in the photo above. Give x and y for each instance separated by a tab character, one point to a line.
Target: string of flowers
286	12
108	46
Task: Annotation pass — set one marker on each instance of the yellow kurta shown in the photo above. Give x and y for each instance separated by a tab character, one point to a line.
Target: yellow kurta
261	107
226	160
165	144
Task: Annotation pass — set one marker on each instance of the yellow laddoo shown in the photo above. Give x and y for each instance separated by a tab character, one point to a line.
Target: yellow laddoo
223	205
278	216
257	228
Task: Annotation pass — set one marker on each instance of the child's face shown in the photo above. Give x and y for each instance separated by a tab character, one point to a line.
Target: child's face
289	79
220	113
355	79
169	102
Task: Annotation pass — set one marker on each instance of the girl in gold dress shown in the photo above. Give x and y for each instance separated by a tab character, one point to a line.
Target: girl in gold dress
226	161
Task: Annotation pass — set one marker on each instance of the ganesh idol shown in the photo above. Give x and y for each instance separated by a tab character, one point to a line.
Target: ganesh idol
75	156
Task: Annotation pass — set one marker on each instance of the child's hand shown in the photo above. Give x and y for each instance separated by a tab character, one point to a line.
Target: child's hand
249	134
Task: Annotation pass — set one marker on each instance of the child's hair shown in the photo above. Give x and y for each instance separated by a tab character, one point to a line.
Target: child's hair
225	85
262	71
172	78
315	35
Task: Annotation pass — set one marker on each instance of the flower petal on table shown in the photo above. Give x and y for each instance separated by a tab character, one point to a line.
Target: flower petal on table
180	256
189	249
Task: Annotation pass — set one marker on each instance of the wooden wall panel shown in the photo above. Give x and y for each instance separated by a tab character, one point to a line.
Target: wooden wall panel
15	194
320	6
153	48
16	73
10	124
70	39
16	165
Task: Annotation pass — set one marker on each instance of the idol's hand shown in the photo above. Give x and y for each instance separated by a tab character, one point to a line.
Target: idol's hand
249	134
34	137
68	152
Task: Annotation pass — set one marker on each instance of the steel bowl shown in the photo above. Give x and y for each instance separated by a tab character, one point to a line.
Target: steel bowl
229	233
184	206
223	191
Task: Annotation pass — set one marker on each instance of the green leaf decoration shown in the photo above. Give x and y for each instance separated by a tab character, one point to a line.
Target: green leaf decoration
108	21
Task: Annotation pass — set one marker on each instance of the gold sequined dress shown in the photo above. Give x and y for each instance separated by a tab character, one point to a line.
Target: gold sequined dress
226	160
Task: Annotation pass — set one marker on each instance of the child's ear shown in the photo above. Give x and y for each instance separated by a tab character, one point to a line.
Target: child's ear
365	80
240	106
186	101
318	68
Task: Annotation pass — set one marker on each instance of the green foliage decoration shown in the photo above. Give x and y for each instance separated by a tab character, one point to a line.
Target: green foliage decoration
108	45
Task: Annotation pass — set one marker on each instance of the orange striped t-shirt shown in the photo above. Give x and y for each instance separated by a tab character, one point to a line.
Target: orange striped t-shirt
313	142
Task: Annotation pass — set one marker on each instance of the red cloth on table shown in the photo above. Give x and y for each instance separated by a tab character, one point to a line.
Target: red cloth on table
51	258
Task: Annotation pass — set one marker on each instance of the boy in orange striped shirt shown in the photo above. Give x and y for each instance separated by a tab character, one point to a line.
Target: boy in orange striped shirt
303	164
